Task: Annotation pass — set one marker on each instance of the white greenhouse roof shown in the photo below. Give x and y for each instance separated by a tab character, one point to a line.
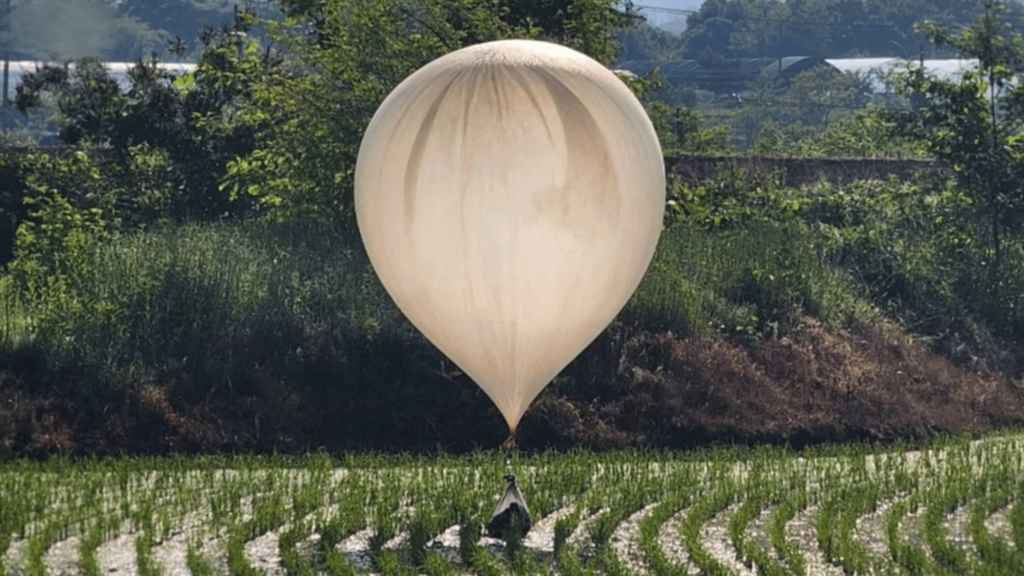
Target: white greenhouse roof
878	68
118	70
864	64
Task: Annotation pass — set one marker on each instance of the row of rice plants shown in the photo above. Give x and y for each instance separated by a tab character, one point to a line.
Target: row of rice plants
766	487
403	505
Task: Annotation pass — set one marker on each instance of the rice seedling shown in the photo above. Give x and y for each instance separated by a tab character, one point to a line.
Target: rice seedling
722	494
570	564
291	559
1017	519
992	552
564	527
911	558
790	555
946	554
198	565
752	555
403	505
838	515
437	565
87	562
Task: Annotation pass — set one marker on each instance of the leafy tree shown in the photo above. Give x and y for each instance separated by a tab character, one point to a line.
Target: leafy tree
345	56
684	130
641	41
824	28
170	138
585	25
71	208
769	115
819	96
257	127
681	129
755	121
975	127
871	132
758	33
182	19
711	32
68	29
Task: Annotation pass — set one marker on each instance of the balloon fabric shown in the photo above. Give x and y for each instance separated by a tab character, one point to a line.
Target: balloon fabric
510	196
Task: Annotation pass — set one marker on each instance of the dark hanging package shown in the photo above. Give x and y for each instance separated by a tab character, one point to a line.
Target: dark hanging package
511	508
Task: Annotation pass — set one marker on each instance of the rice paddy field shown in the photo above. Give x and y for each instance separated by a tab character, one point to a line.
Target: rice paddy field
952	507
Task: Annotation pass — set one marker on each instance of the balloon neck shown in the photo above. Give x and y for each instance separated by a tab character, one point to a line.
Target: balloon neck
509	446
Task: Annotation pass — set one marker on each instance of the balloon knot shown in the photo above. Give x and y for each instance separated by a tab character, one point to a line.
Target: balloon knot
509	446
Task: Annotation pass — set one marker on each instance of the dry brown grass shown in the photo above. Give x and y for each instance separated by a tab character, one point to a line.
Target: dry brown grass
817	385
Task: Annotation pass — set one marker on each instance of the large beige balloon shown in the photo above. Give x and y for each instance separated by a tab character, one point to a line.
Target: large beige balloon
510	197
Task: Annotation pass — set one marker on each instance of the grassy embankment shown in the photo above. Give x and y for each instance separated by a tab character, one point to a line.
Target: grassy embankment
770	314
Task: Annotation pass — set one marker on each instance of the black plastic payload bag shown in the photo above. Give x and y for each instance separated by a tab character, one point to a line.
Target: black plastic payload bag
511	509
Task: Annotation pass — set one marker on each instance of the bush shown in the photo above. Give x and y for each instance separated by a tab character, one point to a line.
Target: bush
752	281
195	300
909	250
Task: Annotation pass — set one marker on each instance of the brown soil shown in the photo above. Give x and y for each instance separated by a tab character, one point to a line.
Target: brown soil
628	389
817	385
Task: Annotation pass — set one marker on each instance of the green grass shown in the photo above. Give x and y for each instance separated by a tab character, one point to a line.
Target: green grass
256	292
313	503
225	306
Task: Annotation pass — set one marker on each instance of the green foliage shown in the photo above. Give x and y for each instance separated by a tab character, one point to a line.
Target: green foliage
641	41
907	245
70	209
309	127
186	302
974	126
14	171
683	131
345	56
818	97
824	28
869	132
585	25
769	116
753	281
745	254
167	139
